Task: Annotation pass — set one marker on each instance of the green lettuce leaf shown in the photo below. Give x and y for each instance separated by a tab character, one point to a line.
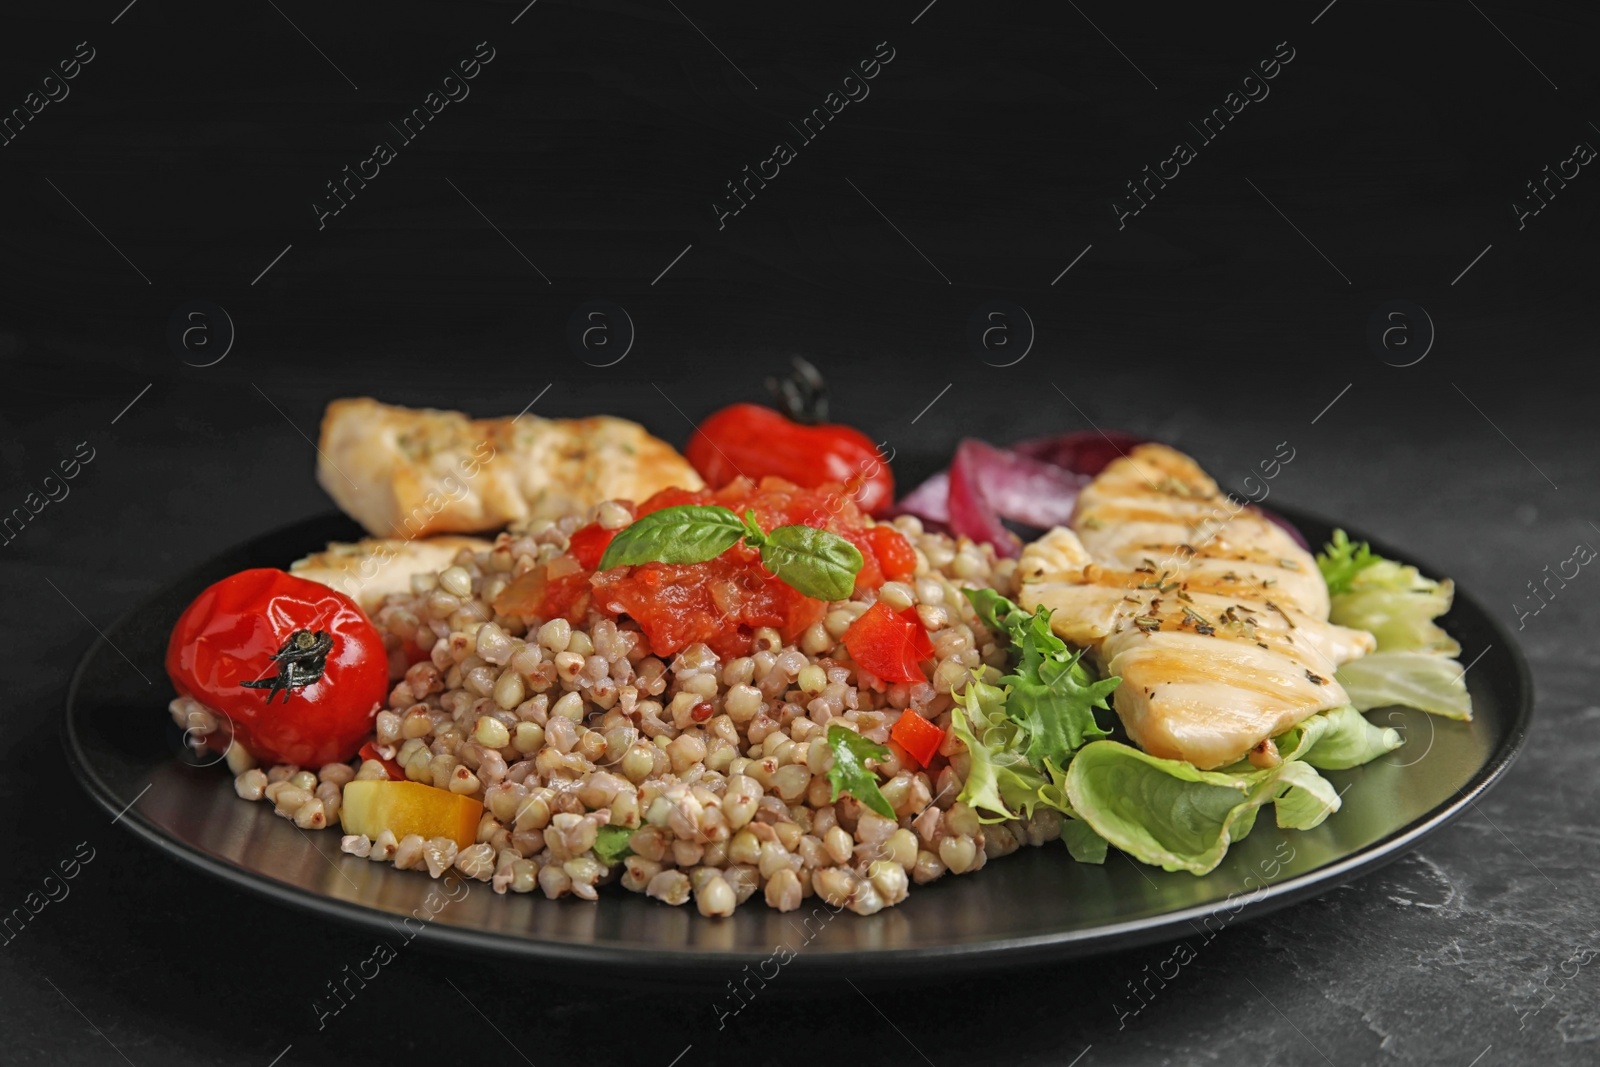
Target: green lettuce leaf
1389	600
1337	740
1307	798
1341	561
1055	702
1415	663
1052	694
998	612
1299	739
1170	814
849	772
1163	812
1001	784
1083	844
1423	680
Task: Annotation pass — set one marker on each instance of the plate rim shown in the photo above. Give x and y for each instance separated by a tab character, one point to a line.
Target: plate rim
971	955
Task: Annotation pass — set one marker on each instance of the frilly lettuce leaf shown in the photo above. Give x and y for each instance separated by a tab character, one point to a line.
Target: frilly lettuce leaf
1342	560
1001	784
1051	693
1424	680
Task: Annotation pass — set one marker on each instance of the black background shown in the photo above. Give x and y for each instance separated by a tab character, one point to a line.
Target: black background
1224	318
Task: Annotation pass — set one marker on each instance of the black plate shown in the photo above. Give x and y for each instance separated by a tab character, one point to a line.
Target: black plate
1033	904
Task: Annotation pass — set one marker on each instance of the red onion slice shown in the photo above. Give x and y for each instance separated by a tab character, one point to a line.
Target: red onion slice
988	483
971	513
1029	491
930	500
1082	451
1035	483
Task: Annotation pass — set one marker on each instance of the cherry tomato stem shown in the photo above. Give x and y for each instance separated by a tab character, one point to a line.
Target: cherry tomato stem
296	668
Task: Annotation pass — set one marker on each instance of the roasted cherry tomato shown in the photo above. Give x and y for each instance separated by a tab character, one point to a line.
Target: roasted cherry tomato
889	645
756	441
296	667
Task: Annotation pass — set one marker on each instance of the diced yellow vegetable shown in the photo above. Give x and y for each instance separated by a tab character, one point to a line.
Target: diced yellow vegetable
371	807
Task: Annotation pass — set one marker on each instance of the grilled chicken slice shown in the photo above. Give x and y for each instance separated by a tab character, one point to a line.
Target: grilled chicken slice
369	570
1205	609
1156	506
409	473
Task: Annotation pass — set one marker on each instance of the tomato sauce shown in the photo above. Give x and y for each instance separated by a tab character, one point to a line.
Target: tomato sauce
723	601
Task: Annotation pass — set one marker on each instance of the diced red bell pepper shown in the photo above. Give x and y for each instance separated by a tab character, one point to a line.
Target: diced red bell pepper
917	736
895	554
370	751
889	644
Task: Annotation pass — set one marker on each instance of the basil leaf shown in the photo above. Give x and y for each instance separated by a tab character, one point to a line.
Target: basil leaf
849	773
812	561
689	533
611	844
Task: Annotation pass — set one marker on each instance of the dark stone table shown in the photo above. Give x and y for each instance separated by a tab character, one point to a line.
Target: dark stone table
1385	161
